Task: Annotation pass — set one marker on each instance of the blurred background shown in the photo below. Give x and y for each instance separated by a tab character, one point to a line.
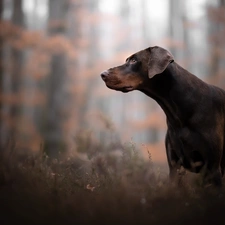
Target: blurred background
53	51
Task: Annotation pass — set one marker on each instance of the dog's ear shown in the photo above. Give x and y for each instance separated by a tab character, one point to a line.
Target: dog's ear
159	59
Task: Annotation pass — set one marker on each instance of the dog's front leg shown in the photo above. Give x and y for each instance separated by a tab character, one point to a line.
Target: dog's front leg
173	160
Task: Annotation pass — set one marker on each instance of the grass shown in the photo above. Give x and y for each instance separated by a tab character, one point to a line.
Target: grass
105	188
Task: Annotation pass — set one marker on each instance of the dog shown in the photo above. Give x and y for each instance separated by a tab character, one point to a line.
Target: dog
195	110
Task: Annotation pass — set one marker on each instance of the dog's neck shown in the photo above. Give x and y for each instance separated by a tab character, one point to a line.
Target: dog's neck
169	89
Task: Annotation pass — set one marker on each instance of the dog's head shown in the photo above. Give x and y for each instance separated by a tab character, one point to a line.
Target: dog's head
139	67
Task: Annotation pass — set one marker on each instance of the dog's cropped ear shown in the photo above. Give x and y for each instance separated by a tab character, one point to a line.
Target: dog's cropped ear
159	59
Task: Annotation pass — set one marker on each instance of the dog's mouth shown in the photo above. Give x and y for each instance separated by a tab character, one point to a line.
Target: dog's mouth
127	89
123	89
113	82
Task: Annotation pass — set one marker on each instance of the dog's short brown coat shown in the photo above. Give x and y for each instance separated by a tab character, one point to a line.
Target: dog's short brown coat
195	110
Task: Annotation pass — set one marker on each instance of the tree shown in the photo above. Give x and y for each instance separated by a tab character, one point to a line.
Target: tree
56	95
216	37
17	60
1	48
1	71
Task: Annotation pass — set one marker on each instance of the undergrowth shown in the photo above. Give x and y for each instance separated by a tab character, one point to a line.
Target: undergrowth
105	188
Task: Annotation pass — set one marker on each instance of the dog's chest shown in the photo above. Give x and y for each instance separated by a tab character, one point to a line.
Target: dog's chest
183	133
188	140
188	148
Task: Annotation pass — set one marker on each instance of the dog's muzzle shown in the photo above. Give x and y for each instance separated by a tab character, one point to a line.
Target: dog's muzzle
104	75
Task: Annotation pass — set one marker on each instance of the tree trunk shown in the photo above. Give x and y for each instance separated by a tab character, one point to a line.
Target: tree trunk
17	59
1	74
91	6
176	27
215	32
222	2
56	95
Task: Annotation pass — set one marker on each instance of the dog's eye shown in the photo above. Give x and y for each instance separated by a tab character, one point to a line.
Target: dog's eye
133	61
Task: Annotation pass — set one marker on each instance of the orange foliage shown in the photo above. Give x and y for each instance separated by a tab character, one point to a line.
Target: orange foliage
171	43
58	44
157	151
21	98
57	24
21	39
217	14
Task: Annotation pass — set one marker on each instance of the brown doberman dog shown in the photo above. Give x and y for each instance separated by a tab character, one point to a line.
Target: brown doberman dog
195	110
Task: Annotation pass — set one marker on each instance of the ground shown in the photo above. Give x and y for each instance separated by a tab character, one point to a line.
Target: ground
105	189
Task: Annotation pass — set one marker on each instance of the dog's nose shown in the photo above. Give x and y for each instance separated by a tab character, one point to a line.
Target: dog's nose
104	74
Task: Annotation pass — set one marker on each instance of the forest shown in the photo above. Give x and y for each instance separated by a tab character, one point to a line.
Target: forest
73	151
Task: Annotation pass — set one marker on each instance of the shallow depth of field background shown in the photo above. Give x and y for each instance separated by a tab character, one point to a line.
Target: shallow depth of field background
52	54
73	151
